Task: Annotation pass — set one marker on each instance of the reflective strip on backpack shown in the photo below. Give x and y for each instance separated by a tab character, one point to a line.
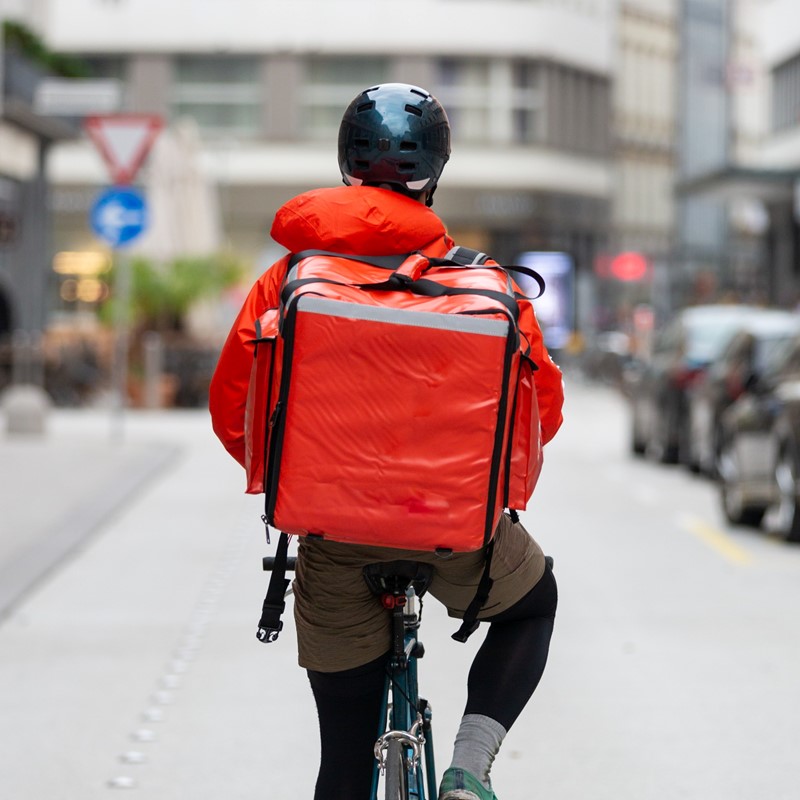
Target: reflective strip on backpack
464	323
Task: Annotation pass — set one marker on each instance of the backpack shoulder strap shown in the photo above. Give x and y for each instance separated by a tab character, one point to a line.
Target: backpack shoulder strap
465	256
384	262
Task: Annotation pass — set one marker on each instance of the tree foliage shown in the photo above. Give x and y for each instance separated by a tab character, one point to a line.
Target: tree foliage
19	37
162	295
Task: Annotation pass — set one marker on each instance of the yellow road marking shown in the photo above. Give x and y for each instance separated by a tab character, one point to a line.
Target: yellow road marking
717	540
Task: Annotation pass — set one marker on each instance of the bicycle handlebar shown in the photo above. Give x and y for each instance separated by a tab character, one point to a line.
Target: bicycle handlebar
268	562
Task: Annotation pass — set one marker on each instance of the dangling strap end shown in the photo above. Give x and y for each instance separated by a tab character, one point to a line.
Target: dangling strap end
470	622
465	631
270	624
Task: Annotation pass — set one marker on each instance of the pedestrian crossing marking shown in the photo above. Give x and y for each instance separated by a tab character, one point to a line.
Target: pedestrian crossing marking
717	540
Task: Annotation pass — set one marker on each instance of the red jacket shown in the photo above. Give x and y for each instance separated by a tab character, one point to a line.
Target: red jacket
356	221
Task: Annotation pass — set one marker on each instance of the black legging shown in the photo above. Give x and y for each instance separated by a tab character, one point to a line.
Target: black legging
505	673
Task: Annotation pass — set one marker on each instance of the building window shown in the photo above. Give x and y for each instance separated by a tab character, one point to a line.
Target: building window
330	85
463	88
527	107
498	100
578	105
115	67
786	95
222	93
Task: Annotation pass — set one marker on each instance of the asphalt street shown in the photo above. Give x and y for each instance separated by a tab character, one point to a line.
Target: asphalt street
128	658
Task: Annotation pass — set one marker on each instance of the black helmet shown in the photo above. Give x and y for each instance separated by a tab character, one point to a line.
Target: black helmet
394	134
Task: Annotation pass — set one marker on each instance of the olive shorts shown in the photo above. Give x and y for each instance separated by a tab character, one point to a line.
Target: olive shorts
341	624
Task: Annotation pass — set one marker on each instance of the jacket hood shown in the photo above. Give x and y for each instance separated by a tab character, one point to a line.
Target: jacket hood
358	220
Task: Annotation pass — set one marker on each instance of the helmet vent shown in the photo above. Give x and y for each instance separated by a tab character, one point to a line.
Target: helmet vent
361	142
407	146
406	166
413	110
368	106
361	164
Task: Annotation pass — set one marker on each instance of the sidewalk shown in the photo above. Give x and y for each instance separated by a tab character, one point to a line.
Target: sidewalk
59	488
128	656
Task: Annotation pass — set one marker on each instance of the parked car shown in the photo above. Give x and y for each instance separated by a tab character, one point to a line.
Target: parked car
606	357
658	386
739	363
759	464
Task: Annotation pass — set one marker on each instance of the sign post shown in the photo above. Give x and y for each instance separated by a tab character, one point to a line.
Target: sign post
119	216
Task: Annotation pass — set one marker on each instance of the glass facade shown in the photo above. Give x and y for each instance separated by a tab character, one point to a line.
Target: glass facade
522	101
463	87
786	95
527	103
222	93
329	86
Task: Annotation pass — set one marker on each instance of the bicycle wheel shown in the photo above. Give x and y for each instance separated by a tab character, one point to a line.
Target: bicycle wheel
396	784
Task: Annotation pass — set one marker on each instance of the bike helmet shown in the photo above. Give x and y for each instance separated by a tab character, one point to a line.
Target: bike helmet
394	134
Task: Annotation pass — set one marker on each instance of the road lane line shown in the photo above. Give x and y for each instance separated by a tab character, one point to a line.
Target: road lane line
717	540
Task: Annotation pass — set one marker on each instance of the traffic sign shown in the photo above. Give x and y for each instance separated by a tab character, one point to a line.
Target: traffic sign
124	140
119	215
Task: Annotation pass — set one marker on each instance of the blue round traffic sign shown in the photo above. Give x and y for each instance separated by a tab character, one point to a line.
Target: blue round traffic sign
119	215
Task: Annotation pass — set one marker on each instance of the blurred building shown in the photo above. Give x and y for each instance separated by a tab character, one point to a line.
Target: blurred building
644	125
573	123
740	151
527	86
779	158
26	138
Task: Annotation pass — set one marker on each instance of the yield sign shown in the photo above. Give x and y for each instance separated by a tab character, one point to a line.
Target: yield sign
124	141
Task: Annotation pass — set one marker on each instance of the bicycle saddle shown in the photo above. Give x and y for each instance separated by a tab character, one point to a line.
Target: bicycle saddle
395	577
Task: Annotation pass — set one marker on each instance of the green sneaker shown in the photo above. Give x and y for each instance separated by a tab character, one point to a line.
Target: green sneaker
458	784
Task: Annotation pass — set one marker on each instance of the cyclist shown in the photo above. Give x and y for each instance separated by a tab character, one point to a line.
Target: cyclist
394	141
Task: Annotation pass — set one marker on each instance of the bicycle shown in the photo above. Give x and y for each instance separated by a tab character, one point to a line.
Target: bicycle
404	746
404	757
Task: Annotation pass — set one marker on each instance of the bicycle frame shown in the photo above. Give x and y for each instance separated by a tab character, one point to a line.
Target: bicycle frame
407	718
404	731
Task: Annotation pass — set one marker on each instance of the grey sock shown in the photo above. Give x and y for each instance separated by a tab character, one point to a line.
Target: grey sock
477	743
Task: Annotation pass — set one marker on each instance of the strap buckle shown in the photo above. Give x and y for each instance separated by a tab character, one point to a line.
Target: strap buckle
267	635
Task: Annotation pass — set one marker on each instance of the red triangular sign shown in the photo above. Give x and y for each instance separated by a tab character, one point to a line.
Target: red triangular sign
124	140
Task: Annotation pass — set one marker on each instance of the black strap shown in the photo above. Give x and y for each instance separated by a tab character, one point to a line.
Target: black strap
384	262
456	257
467	257
531	273
271	624
429	288
292	286
470	622
396	283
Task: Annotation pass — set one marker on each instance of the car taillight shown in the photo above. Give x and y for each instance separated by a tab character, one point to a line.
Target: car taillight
686	376
734	386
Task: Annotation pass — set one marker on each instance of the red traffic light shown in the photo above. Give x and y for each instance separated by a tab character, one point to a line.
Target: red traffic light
629	266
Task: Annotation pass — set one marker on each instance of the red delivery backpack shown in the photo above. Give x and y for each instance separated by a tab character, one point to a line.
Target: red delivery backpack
391	403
